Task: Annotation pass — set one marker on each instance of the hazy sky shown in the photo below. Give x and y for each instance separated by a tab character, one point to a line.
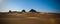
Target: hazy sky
39	5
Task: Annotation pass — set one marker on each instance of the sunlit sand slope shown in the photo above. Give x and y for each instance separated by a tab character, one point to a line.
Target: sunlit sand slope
29	18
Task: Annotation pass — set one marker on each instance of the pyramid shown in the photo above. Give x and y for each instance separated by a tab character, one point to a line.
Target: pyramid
32	10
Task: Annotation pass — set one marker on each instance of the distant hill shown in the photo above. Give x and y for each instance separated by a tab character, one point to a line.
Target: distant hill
35	14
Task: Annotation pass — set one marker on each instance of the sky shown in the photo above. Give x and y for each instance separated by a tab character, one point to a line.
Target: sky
38	5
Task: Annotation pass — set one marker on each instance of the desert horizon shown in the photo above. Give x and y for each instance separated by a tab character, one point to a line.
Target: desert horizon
29	12
31	17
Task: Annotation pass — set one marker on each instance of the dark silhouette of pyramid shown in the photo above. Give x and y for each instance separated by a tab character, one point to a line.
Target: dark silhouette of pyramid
32	10
9	10
23	11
